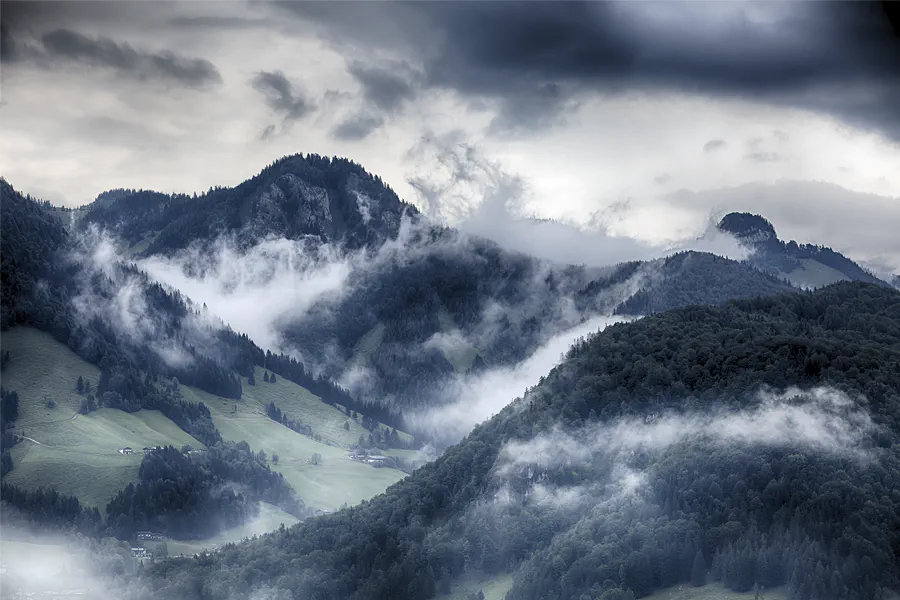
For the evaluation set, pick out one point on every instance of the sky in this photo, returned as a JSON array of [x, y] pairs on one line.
[[642, 119]]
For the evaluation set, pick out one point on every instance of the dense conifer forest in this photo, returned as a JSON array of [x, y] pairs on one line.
[[745, 514]]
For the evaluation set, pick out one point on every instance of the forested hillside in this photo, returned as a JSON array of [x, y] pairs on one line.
[[331, 198], [754, 443], [137, 331]]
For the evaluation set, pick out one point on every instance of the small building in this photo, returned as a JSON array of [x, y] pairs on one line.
[[139, 552], [126, 450], [151, 450]]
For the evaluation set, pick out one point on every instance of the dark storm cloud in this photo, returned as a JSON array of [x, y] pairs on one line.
[[387, 87], [217, 22], [357, 127], [713, 145], [104, 52], [839, 58], [280, 95]]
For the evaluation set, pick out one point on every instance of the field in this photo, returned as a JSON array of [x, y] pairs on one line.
[[812, 274], [76, 454], [337, 480], [269, 519], [295, 401], [713, 591], [494, 588]]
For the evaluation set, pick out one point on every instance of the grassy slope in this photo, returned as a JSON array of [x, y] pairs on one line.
[[713, 591], [270, 518], [297, 402], [813, 274], [494, 588], [76, 454], [368, 344], [328, 485]]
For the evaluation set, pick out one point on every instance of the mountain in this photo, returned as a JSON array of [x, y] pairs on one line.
[[748, 442], [804, 265], [424, 305], [332, 199], [752, 444]]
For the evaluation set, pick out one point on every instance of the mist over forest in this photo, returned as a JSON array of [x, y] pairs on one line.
[[449, 301]]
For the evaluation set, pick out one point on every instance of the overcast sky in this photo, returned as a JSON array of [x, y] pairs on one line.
[[643, 118]]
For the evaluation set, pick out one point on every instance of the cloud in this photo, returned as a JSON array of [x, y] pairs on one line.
[[821, 419], [713, 145], [764, 157], [850, 222], [458, 184], [357, 127], [533, 57], [476, 397], [118, 297], [62, 565], [259, 289], [386, 87], [281, 96], [66, 44]]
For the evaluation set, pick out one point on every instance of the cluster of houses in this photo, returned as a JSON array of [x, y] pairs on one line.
[[369, 459], [129, 450]]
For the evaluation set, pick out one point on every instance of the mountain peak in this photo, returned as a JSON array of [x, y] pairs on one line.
[[748, 227]]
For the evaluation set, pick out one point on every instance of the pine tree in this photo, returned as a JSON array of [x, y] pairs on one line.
[[698, 570], [266, 376], [272, 378], [80, 385]]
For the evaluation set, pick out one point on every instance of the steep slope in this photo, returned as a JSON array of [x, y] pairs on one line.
[[138, 331], [804, 265], [654, 455]]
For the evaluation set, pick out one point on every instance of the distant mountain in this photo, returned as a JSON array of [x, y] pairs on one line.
[[804, 265]]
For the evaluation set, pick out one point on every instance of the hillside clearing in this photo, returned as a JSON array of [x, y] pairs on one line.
[[494, 587], [269, 519], [75, 454], [714, 591], [329, 485]]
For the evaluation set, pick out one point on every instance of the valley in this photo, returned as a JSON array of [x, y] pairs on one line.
[[623, 471]]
